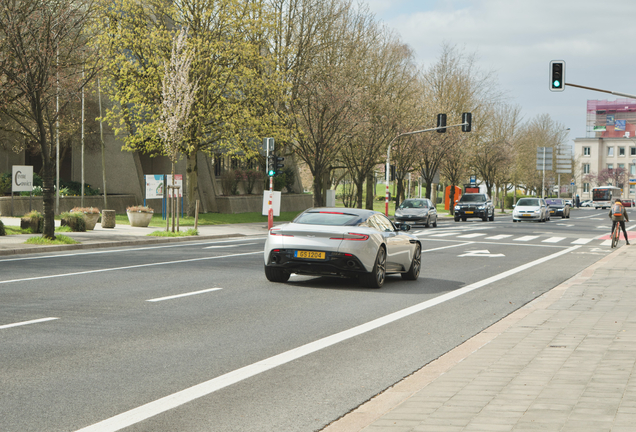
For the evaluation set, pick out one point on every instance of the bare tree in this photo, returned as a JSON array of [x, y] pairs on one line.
[[492, 154], [44, 48], [179, 93]]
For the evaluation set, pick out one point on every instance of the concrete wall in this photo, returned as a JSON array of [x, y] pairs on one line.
[[21, 204], [254, 203]]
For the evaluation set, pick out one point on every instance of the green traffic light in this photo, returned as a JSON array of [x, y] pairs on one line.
[[557, 84], [271, 173]]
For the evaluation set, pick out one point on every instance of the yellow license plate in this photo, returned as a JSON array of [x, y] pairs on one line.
[[309, 254], [469, 212], [551, 211]]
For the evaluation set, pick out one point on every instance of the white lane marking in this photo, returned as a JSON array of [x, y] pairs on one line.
[[473, 235], [582, 241], [130, 249], [233, 245], [481, 253], [179, 398], [525, 238], [447, 247], [607, 242], [35, 321], [127, 267], [183, 295], [499, 237], [585, 217], [553, 240]]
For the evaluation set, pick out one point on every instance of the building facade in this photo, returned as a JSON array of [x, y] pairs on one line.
[[609, 147]]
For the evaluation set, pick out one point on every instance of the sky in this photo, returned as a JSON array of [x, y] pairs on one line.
[[517, 39]]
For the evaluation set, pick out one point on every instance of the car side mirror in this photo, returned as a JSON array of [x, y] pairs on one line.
[[514, 205], [403, 227]]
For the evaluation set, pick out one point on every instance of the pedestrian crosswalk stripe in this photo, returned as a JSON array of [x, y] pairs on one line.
[[607, 243], [471, 235], [445, 234], [553, 240], [526, 238], [499, 237], [582, 241]]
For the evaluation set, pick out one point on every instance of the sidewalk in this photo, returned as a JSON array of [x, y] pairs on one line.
[[564, 362], [122, 235]]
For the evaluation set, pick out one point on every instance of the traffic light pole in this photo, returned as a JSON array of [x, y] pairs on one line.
[[270, 212], [602, 91], [388, 157]]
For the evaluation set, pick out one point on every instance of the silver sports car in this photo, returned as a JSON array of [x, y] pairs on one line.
[[342, 242]]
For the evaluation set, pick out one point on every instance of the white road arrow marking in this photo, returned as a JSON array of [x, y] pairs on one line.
[[481, 253]]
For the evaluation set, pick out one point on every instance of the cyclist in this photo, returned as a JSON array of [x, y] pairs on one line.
[[618, 214]]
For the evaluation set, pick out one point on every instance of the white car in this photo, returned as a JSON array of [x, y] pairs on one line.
[[531, 209], [342, 242]]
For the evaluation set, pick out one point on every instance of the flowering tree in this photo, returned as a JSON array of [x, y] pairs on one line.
[[178, 96], [41, 59]]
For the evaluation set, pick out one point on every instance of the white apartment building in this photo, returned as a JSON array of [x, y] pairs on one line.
[[610, 143]]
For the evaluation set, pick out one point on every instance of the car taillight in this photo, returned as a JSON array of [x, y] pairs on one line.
[[352, 236]]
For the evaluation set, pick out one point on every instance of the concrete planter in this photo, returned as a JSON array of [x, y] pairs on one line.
[[91, 220], [139, 219]]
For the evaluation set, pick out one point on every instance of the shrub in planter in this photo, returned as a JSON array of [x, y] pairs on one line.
[[253, 177], [139, 216], [228, 182], [91, 215], [3, 232], [33, 221], [76, 221]]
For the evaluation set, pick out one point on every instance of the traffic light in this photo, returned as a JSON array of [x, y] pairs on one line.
[[441, 123], [467, 119], [557, 75], [392, 173], [271, 164], [277, 164]]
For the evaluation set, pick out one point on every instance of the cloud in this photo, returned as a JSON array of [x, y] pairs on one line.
[[517, 40]]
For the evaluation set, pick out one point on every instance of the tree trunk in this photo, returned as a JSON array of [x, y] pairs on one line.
[[451, 199], [318, 190], [192, 182], [48, 192], [359, 187], [370, 191]]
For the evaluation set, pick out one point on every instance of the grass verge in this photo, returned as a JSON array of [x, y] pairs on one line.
[[189, 232], [59, 239]]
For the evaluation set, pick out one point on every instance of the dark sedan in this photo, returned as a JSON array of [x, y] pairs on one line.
[[558, 207], [417, 211]]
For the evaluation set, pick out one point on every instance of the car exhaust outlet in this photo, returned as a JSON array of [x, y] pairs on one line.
[[351, 263]]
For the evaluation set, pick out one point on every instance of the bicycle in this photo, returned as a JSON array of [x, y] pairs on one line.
[[616, 234]]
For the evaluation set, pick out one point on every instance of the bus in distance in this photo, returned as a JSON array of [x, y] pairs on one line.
[[604, 196]]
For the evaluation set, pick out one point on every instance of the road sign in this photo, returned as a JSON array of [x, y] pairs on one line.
[[632, 181]]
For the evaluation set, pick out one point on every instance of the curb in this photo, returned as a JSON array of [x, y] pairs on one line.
[[114, 243]]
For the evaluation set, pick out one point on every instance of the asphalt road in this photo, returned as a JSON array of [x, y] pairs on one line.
[[108, 340]]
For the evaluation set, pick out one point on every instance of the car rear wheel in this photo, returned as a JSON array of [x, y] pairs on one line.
[[416, 265], [276, 275], [375, 279]]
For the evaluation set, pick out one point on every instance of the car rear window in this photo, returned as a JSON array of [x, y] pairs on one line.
[[328, 218], [554, 202], [414, 204], [528, 202], [472, 198]]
